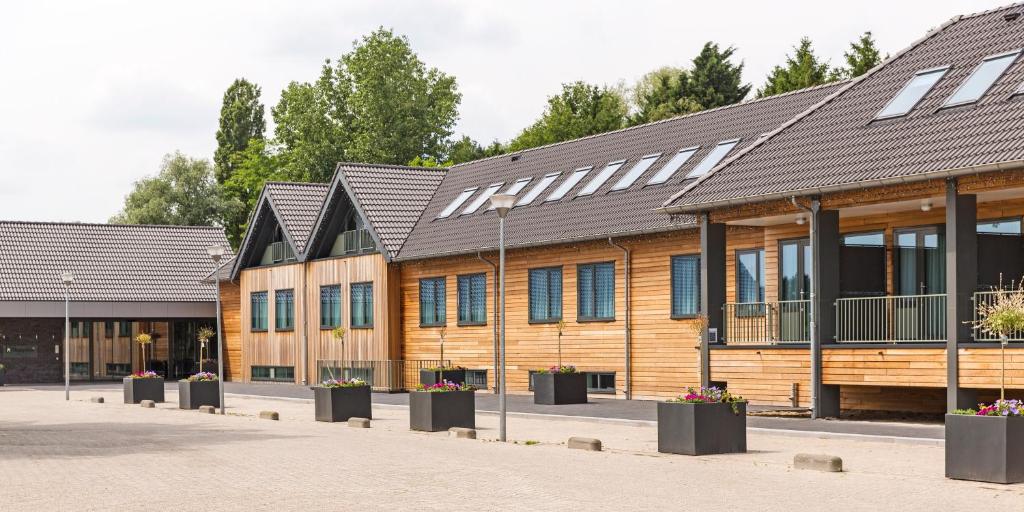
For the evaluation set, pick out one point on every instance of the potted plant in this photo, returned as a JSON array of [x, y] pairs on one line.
[[339, 400], [559, 385], [987, 444], [703, 421], [206, 363], [202, 388], [146, 385], [338, 333], [444, 372], [144, 340], [3, 374], [442, 406]]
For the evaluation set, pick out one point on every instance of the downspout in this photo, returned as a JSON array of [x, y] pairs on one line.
[[628, 334], [494, 268], [815, 350], [305, 329]]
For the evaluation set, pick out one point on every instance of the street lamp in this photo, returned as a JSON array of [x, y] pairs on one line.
[[67, 278], [502, 203], [216, 253]]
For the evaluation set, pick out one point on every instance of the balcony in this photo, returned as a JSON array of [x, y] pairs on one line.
[[786, 321], [892, 319]]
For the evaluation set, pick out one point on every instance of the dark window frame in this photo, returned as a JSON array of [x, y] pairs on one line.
[[272, 374], [468, 280], [289, 303], [580, 267], [672, 280], [337, 301], [760, 280], [440, 308], [600, 390], [258, 323], [561, 295], [367, 287], [121, 331]]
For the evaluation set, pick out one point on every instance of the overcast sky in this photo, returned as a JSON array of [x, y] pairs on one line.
[[93, 94]]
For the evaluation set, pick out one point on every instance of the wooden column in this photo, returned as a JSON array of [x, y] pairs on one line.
[[961, 282], [712, 287], [824, 292]]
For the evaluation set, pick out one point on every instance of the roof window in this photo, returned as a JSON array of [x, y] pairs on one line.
[[634, 174], [601, 178], [672, 166], [515, 188], [981, 79], [567, 185], [912, 92], [716, 155], [454, 205], [484, 196], [538, 189]]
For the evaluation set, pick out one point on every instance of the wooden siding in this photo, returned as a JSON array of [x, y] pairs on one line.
[[270, 348], [764, 375], [904, 367], [980, 368], [230, 295]]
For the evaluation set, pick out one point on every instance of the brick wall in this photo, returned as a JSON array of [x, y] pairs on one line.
[[27, 349]]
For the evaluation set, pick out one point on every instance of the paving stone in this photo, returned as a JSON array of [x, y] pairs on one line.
[[359, 422], [462, 433], [818, 462], [585, 443], [269, 415]]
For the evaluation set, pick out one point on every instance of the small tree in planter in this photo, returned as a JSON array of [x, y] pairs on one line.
[[338, 333], [444, 372], [144, 339], [703, 421], [984, 444], [145, 385], [204, 335], [339, 400], [442, 406], [559, 385], [199, 389]]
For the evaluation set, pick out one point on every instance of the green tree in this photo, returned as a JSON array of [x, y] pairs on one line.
[[662, 94], [581, 109], [714, 81], [184, 193], [313, 128], [863, 55], [802, 69], [241, 120], [254, 166]]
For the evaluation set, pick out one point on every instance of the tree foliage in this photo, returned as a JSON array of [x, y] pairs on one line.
[[581, 109], [662, 94], [802, 69], [254, 166], [862, 56], [714, 81], [241, 120], [184, 192], [313, 128]]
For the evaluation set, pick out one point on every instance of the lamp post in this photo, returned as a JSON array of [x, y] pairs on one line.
[[216, 252], [67, 278], [502, 203]]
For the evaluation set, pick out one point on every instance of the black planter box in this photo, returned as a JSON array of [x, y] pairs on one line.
[[340, 404], [985, 448], [435, 412], [137, 390], [559, 388], [3, 379], [702, 429], [193, 394], [431, 377]]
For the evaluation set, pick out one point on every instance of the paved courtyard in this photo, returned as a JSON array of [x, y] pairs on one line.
[[86, 456]]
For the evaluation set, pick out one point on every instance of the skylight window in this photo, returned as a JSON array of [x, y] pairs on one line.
[[567, 185], [981, 79], [454, 205], [716, 155], [911, 94], [601, 178], [634, 174], [672, 166], [538, 189], [482, 198], [515, 188]]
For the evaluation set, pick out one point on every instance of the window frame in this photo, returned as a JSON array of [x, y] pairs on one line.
[[760, 279], [602, 177], [272, 370], [367, 301], [1018, 219], [635, 172], [339, 300], [672, 279], [942, 70], [121, 332], [265, 324], [601, 391], [561, 295], [458, 201], [468, 278], [689, 151], [289, 303], [731, 143], [474, 205], [570, 182], [1013, 54], [440, 308], [538, 189], [580, 318]]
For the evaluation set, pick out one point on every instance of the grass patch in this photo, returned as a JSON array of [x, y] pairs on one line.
[[531, 443]]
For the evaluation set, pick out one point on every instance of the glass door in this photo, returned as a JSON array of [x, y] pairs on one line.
[[920, 275], [794, 289]]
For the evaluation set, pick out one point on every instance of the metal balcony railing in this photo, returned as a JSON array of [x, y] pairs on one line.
[[987, 299], [892, 319], [383, 375], [786, 321]]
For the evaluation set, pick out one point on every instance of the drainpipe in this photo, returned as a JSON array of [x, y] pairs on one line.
[[494, 268], [305, 329], [815, 351], [628, 348]]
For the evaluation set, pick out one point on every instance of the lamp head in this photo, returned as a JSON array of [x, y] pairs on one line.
[[216, 252], [67, 278], [502, 203]]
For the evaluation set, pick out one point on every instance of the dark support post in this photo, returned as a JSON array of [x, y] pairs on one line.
[[961, 282], [824, 292], [712, 287]]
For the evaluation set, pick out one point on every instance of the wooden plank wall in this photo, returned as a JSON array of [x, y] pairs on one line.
[[982, 367], [905, 367], [270, 348], [764, 375], [231, 324]]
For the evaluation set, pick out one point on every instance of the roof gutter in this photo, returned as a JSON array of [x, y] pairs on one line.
[[628, 332], [494, 269]]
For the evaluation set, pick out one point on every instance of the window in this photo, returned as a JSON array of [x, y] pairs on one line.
[[1000, 253], [568, 184], [477, 378], [362, 305], [432, 297], [545, 290], [124, 328], [685, 286], [862, 264], [634, 174], [716, 155], [981, 79], [601, 178], [672, 166], [330, 306], [258, 311], [1000, 227], [595, 286], [750, 282], [74, 329], [273, 373], [912, 93], [874, 239], [514, 189], [454, 205], [108, 329], [284, 310], [472, 299], [482, 198], [600, 382], [538, 189]]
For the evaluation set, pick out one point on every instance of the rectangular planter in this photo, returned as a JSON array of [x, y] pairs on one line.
[[701, 429], [985, 448], [193, 394], [430, 377], [435, 412], [559, 388], [137, 390], [340, 404]]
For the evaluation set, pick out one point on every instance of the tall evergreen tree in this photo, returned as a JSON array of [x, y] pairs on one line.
[[714, 80], [241, 120], [802, 69], [863, 55], [581, 109]]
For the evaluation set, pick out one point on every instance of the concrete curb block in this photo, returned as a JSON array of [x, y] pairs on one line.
[[818, 462], [585, 443], [462, 433], [359, 422], [97, 400], [207, 409], [270, 415], [147, 404]]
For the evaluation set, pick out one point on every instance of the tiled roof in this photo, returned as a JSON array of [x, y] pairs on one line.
[[122, 263], [298, 205], [391, 197], [225, 271], [838, 145], [604, 213]]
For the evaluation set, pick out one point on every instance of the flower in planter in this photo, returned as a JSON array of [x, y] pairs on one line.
[[344, 383], [445, 368], [445, 386], [565, 368], [997, 408], [145, 375], [203, 377], [711, 395]]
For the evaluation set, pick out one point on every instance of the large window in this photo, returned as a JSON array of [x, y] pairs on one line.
[[472, 299], [920, 261], [545, 294], [862, 263], [1000, 253], [685, 286], [273, 373], [432, 302], [362, 305], [912, 93], [595, 285], [330, 306], [750, 276], [981, 79], [258, 311], [284, 310]]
